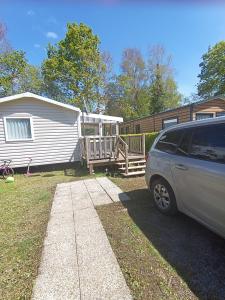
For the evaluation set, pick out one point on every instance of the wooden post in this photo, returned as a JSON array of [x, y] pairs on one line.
[[117, 147], [100, 147], [87, 149], [94, 148], [117, 128], [110, 146], [105, 148], [126, 159], [143, 144], [129, 143], [100, 128], [91, 169]]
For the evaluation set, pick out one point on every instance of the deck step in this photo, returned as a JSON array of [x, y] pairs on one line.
[[136, 157], [131, 162], [133, 173], [120, 163], [137, 162], [133, 167]]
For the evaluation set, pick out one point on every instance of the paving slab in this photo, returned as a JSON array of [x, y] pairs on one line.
[[77, 260], [114, 192], [97, 193]]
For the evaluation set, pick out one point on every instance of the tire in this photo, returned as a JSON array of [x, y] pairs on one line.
[[8, 172], [163, 196]]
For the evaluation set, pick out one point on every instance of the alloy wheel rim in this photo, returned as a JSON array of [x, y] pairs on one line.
[[161, 196]]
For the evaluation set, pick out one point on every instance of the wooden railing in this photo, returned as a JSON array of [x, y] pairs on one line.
[[122, 148], [136, 143], [93, 148], [111, 148]]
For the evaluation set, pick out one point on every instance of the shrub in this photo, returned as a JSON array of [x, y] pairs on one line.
[[149, 140]]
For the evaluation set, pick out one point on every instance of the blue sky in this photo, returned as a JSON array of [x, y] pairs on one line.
[[186, 30]]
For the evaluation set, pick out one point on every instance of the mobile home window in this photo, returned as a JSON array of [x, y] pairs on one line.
[[220, 114], [18, 129], [137, 128], [202, 116], [169, 122], [113, 129], [90, 129]]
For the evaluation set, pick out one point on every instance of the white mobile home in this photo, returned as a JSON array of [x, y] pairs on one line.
[[46, 130]]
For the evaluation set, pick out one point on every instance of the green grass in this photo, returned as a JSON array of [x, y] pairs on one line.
[[24, 212], [134, 231]]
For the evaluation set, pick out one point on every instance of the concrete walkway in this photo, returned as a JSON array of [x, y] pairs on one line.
[[77, 259]]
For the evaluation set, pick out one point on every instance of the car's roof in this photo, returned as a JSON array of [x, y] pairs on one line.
[[197, 123]]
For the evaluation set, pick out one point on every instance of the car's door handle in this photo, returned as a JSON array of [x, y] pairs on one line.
[[181, 167]]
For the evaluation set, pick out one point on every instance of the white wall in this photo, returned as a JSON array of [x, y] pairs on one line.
[[56, 133]]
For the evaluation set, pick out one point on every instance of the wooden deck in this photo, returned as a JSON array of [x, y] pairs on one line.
[[109, 150]]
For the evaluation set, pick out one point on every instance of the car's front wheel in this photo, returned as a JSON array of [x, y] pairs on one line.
[[164, 198]]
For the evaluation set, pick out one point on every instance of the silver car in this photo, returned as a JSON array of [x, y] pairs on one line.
[[186, 171]]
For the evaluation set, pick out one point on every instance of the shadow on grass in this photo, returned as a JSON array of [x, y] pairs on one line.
[[196, 254], [83, 172], [76, 172], [47, 175]]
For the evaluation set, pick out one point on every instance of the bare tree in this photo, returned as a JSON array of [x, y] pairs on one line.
[[108, 66], [133, 67], [4, 43], [159, 60], [105, 72], [2, 31]]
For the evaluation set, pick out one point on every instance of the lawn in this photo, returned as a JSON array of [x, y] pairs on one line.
[[24, 212], [163, 257]]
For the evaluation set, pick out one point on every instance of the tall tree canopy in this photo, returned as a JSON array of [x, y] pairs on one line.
[[163, 92], [12, 67], [76, 72], [74, 65], [126, 93], [156, 92], [17, 76], [143, 88], [212, 75], [31, 81], [133, 79]]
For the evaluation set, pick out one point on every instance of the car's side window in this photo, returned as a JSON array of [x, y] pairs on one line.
[[208, 143], [183, 148], [169, 141]]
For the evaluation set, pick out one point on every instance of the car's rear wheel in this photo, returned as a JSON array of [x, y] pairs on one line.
[[164, 198]]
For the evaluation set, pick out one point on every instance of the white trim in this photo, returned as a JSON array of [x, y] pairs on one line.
[[117, 128], [100, 128], [18, 140], [79, 125], [104, 117], [31, 95]]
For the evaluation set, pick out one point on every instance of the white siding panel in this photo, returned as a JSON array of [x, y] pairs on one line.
[[56, 137]]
